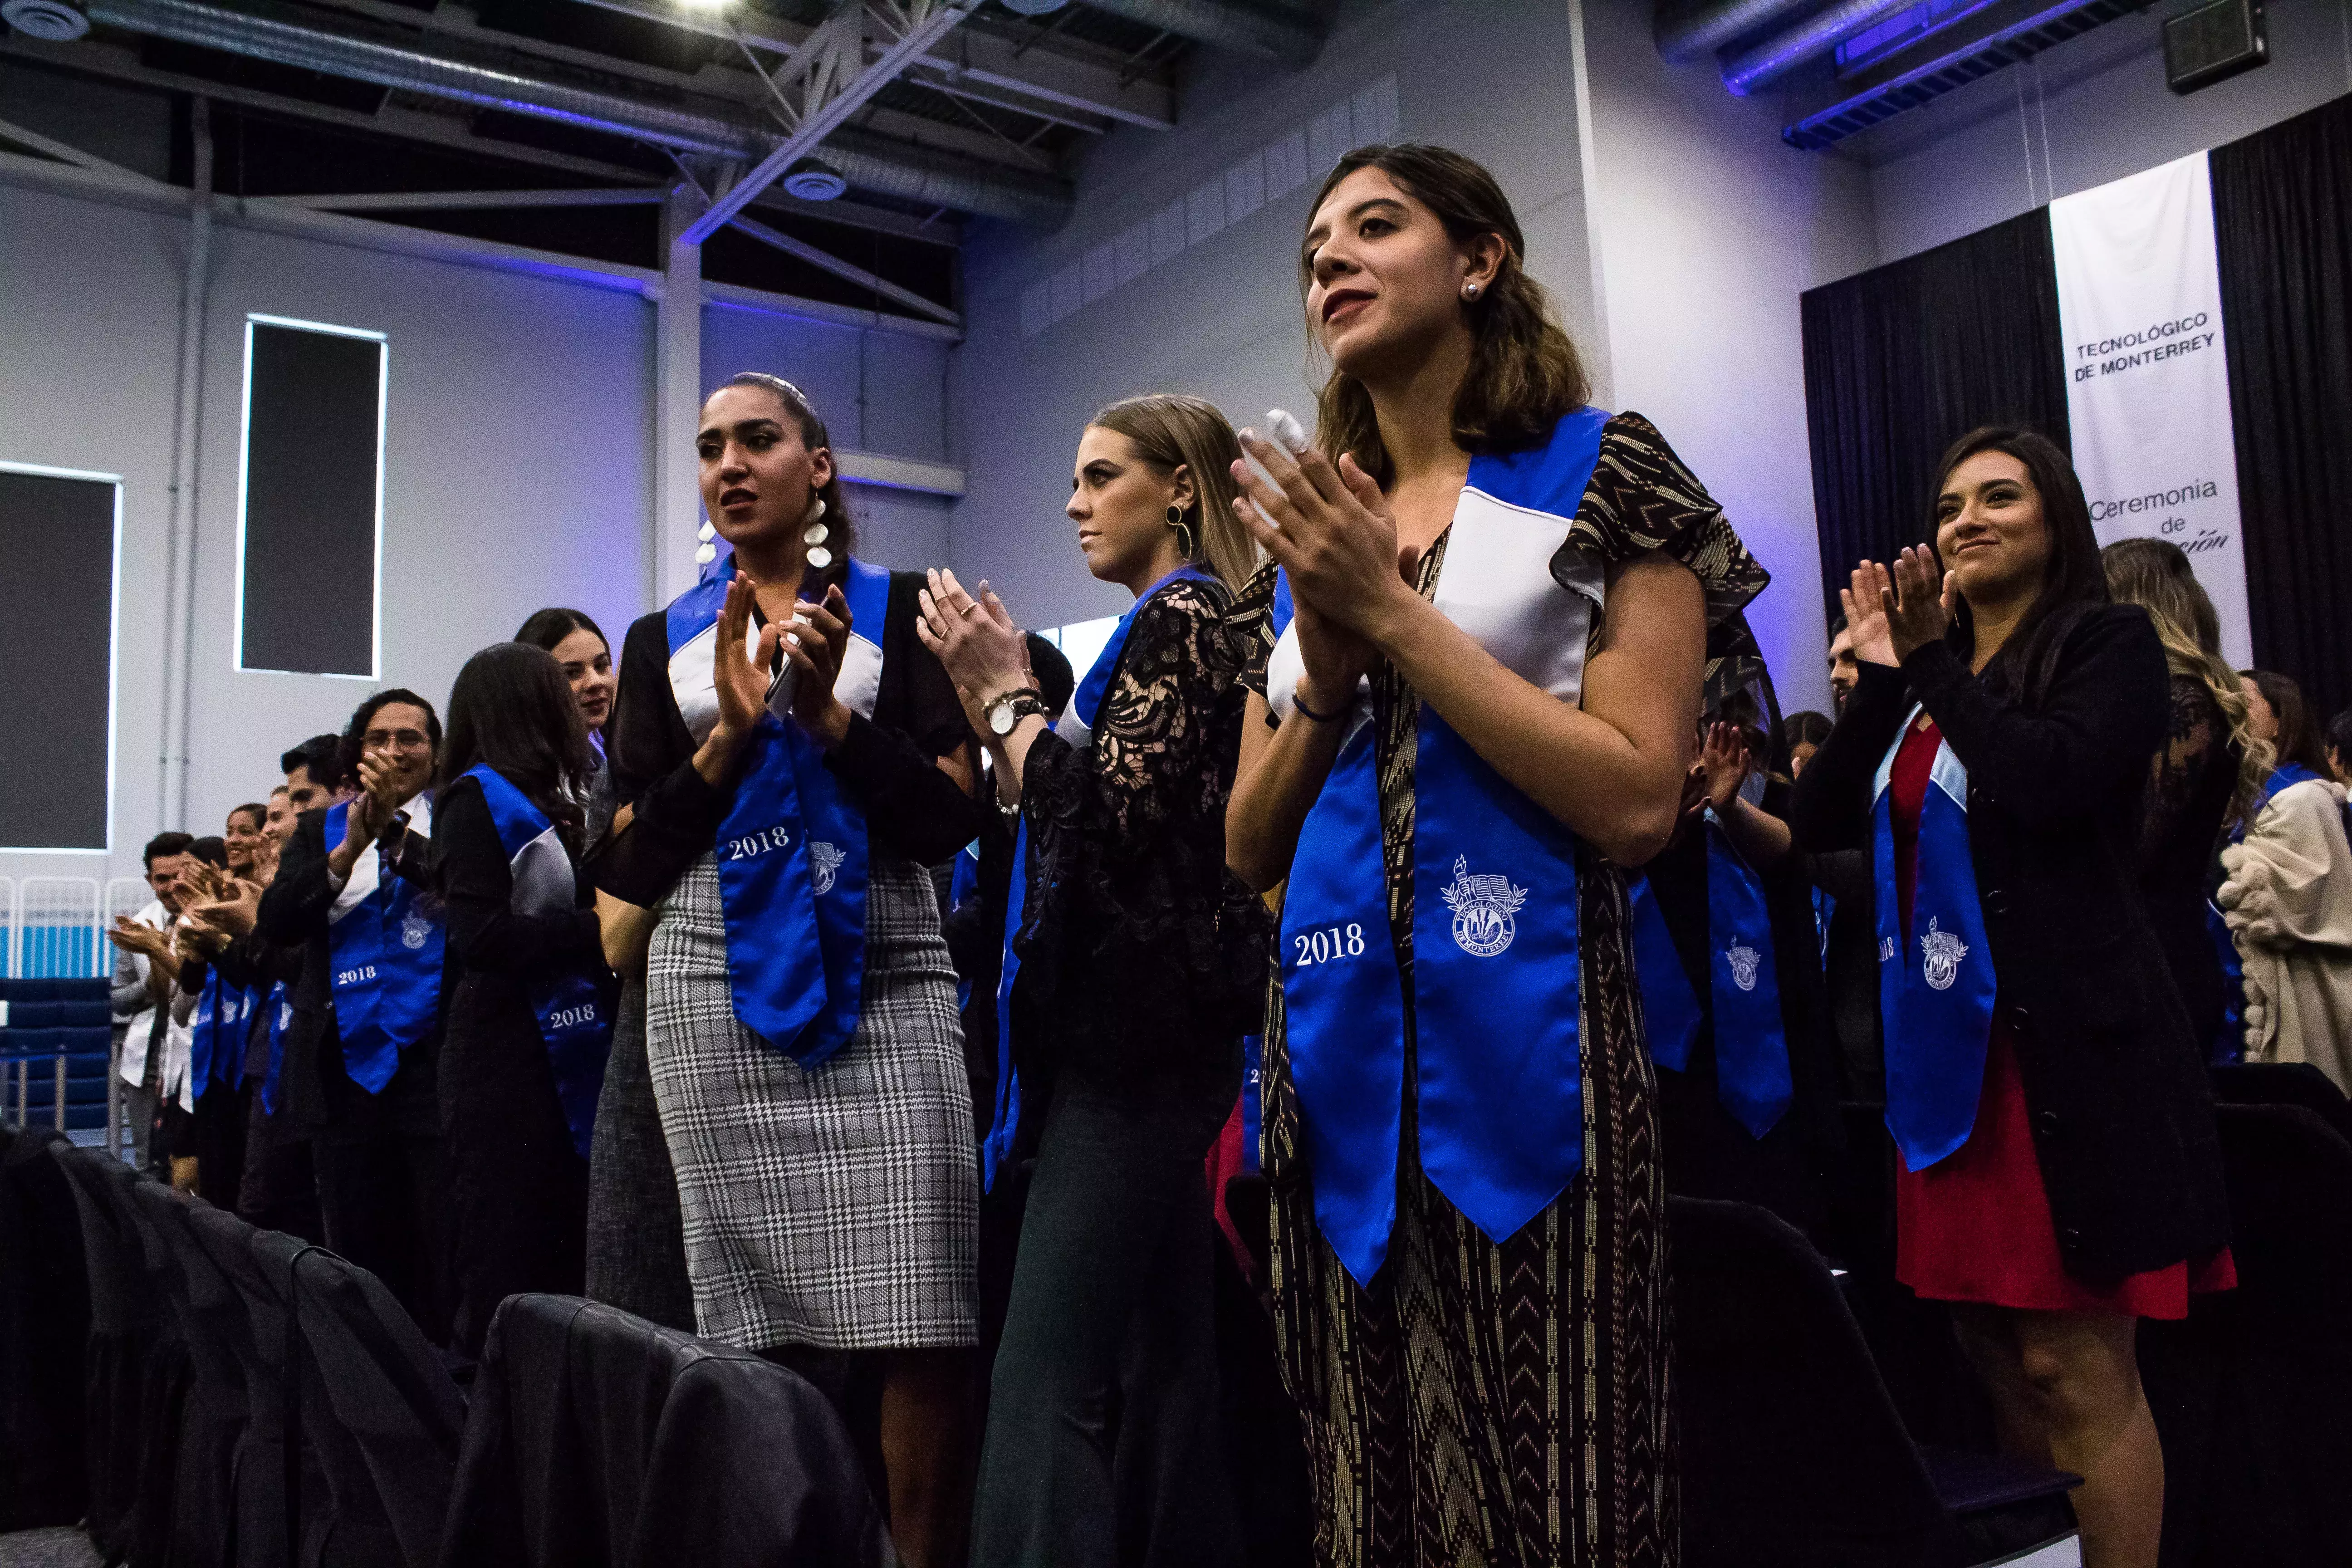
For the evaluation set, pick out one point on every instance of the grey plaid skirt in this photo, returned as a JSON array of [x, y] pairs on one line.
[[837, 1207]]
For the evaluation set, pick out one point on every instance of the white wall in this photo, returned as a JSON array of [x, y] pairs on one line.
[[1220, 316], [518, 449], [1707, 230], [2093, 110]]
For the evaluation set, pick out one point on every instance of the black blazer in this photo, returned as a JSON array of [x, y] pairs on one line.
[[316, 1093], [2123, 1116]]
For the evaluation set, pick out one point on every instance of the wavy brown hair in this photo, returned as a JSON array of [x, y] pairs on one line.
[[1171, 431], [2155, 575], [1524, 371]]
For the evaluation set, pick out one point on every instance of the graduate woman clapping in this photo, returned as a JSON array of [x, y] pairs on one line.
[[1133, 965], [793, 760], [2059, 1177], [1480, 711], [531, 1016]]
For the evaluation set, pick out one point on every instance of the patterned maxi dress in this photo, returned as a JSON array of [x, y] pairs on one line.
[[1505, 1402]]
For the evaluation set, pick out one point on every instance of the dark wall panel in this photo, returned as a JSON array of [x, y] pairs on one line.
[[312, 417], [57, 651]]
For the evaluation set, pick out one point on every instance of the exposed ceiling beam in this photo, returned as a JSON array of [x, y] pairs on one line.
[[57, 149], [463, 201], [120, 63], [973, 54], [828, 81], [849, 270]]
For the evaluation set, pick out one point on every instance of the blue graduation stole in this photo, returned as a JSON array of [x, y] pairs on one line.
[[1252, 1100], [1752, 1079], [281, 1014], [1493, 999], [792, 849], [216, 1038], [1751, 1043], [1077, 727], [384, 954], [575, 1009], [964, 883], [1935, 980]]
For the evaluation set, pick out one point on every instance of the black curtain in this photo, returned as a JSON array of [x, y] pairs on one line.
[[2283, 228], [1903, 358]]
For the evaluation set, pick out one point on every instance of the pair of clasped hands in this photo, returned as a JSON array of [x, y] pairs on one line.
[[219, 907], [812, 644], [1891, 614], [1335, 537]]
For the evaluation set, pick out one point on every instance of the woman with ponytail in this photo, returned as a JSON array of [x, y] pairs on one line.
[[793, 759], [2205, 777]]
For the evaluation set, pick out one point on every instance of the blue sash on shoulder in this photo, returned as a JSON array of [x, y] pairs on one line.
[[281, 1014], [575, 1009], [1936, 981], [792, 849], [2283, 776], [386, 951], [1752, 1079], [216, 1034], [1494, 990], [1077, 727]]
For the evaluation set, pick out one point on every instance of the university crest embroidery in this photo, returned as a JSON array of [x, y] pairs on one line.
[[824, 860], [413, 930], [1743, 960], [1483, 907], [1942, 952]]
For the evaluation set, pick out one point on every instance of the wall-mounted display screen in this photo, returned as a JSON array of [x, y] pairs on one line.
[[60, 539]]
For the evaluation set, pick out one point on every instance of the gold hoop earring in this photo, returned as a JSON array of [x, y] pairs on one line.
[[1185, 539]]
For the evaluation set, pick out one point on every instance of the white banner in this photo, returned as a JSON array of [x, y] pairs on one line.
[[2147, 385]]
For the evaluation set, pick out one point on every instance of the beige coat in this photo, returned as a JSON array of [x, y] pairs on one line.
[[2288, 899]]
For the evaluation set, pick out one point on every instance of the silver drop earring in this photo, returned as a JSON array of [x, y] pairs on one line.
[[813, 533], [707, 550]]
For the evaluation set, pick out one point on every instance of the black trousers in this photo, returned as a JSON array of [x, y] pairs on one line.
[[280, 1191], [218, 1144], [517, 1187], [383, 1186], [1103, 1444]]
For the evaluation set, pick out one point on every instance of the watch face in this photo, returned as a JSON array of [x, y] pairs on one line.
[[1003, 718]]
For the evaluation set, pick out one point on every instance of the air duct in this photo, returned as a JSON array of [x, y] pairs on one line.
[[1695, 32], [1252, 30], [960, 187], [1816, 36]]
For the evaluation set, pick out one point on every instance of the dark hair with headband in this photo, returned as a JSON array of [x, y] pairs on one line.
[[843, 542]]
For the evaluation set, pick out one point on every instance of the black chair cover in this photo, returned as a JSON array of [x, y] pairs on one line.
[[213, 1421], [44, 1323], [378, 1403], [599, 1438], [1792, 1451], [137, 1365], [2252, 1393]]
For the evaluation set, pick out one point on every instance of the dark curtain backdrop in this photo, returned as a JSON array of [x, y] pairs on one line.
[[2282, 227], [1905, 358]]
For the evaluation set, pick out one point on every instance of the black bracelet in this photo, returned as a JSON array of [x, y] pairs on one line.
[[1299, 703]]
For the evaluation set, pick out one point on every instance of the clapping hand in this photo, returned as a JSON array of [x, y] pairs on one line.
[[1864, 602], [132, 936], [1918, 608], [815, 643], [740, 676], [1333, 534], [1723, 766], [230, 912], [975, 640]]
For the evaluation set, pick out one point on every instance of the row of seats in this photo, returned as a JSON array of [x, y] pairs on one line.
[[199, 1391], [42, 1023]]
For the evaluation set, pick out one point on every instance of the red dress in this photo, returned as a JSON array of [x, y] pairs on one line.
[[1975, 1225]]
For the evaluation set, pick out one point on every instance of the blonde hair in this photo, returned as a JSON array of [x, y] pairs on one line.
[[2156, 575], [1171, 431]]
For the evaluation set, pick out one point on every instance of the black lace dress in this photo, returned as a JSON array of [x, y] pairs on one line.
[[1143, 962], [2190, 786]]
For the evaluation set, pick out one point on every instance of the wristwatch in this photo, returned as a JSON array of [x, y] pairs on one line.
[[1008, 709]]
